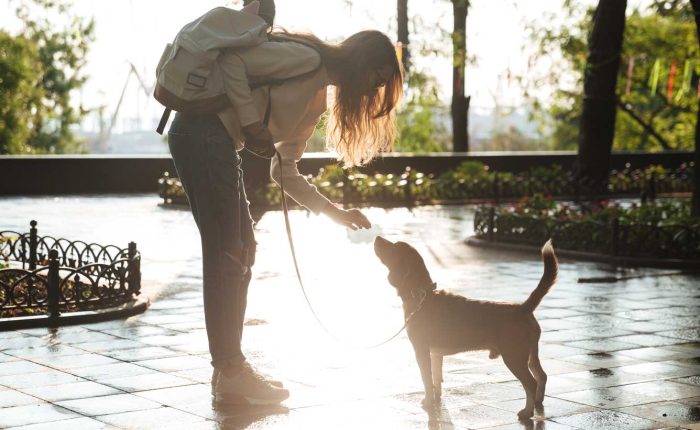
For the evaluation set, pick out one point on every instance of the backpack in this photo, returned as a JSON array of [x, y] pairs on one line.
[[188, 78]]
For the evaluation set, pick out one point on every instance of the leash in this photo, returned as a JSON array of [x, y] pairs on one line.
[[285, 208]]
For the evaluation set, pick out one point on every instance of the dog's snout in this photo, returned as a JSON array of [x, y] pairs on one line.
[[380, 245]]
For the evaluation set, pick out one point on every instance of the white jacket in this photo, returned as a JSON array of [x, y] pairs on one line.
[[296, 105]]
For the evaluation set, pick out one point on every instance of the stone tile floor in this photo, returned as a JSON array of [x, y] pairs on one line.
[[624, 355]]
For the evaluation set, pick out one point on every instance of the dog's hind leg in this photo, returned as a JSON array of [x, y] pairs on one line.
[[517, 361], [436, 367], [539, 374], [423, 359]]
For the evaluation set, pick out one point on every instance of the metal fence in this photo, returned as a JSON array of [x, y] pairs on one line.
[[412, 188], [43, 275], [615, 238]]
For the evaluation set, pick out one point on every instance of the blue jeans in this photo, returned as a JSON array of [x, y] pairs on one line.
[[210, 170]]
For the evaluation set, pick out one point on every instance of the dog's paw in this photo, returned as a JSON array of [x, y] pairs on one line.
[[526, 414]]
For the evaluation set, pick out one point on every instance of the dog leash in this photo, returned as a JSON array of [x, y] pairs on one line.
[[288, 226]]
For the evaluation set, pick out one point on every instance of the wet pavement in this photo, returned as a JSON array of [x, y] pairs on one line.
[[624, 355]]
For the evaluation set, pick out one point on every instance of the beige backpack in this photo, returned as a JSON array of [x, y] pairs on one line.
[[188, 78]]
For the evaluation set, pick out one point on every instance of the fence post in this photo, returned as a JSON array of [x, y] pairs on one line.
[[615, 231], [134, 268], [53, 285], [492, 222], [32, 245], [407, 192], [345, 188], [163, 187], [652, 187]]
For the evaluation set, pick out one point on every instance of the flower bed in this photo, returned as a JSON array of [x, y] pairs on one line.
[[470, 181], [49, 277], [661, 230]]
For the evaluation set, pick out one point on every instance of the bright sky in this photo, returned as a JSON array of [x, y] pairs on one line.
[[136, 31]]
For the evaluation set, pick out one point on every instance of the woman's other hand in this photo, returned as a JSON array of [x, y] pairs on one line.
[[351, 218], [258, 140]]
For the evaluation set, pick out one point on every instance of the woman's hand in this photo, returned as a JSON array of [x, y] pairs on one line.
[[351, 218], [258, 140]]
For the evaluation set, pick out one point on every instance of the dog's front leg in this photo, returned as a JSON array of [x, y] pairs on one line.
[[423, 359], [436, 368]]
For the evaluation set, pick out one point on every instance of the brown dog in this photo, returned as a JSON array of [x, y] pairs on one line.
[[441, 323]]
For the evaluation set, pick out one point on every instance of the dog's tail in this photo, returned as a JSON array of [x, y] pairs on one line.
[[549, 277]]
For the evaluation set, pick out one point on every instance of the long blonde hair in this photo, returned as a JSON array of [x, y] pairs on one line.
[[361, 123]]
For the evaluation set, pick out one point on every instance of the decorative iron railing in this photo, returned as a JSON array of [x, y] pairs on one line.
[[616, 238], [50, 276]]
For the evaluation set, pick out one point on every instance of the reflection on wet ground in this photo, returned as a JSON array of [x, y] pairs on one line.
[[619, 356]]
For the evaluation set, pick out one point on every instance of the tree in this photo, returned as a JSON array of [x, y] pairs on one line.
[[695, 207], [417, 129], [61, 39], [648, 118], [20, 91], [599, 98], [402, 33], [460, 103]]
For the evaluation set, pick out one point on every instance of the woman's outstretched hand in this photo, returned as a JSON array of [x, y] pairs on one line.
[[351, 218]]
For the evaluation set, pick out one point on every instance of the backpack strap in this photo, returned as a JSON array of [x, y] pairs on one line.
[[163, 120]]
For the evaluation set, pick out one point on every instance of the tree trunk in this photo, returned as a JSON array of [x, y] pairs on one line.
[[695, 208], [402, 13], [460, 103], [597, 128]]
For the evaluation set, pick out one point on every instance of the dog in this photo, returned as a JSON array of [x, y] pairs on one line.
[[440, 323]]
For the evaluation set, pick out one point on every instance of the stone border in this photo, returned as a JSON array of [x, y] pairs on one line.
[[588, 256], [104, 174], [134, 307]]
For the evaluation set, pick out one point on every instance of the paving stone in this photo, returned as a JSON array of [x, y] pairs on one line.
[[482, 416], [149, 381], [11, 398], [162, 418], [33, 414], [143, 353], [667, 413], [552, 407], [74, 390], [649, 340], [21, 367], [112, 404], [601, 345], [602, 359], [136, 332], [109, 371], [38, 379], [172, 364], [695, 379], [84, 423], [178, 396], [108, 346], [67, 362], [539, 425], [630, 394], [607, 420], [44, 349]]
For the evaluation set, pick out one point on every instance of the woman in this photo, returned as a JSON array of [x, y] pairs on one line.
[[366, 77]]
